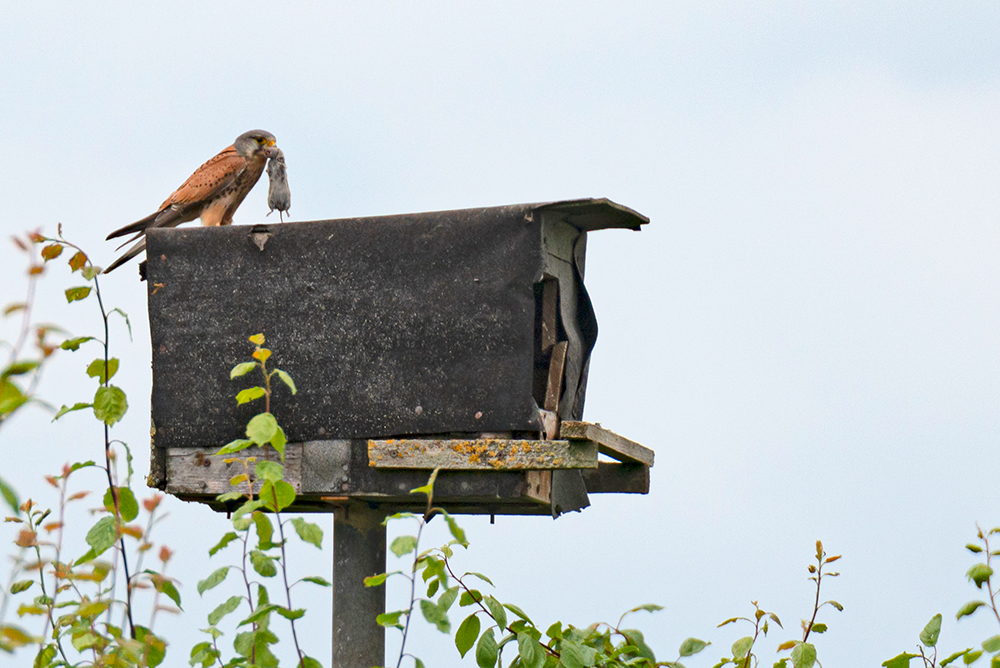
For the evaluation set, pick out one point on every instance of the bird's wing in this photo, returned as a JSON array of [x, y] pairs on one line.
[[183, 205], [207, 182]]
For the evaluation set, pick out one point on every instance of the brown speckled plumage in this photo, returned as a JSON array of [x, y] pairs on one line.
[[212, 193]]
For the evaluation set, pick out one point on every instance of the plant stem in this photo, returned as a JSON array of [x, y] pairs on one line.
[[413, 591], [284, 575]]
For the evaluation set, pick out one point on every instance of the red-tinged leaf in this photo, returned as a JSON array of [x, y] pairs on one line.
[[14, 308], [51, 252], [35, 270], [78, 261], [830, 560]]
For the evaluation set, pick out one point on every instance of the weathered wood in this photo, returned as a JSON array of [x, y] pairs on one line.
[[609, 443], [616, 478], [201, 471], [553, 390], [550, 313], [333, 473], [480, 454], [358, 551]]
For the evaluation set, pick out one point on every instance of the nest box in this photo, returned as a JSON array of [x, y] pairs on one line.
[[457, 340]]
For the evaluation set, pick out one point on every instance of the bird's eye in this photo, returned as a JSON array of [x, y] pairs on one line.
[[259, 140]]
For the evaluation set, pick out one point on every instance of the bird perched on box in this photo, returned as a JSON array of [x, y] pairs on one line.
[[212, 193]]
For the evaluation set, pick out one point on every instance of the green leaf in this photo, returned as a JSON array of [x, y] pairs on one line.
[[230, 496], [74, 344], [126, 503], [742, 647], [226, 540], [447, 598], [102, 535], [435, 615], [262, 428], [956, 656], [971, 657], [19, 369], [467, 633], [496, 610], [18, 587], [308, 532], [67, 409], [277, 495], [975, 549], [818, 628], [804, 655], [403, 544], [530, 651], [170, 589], [390, 619], [469, 598], [96, 369], [110, 404], [268, 470], [260, 613], [901, 661], [217, 576], [242, 369], [279, 441], [264, 530], [376, 580], [979, 574], [249, 394], [11, 397], [9, 495], [969, 608], [263, 564], [315, 579], [574, 655], [309, 662], [555, 631], [76, 294], [518, 611], [692, 646], [235, 446], [482, 577], [486, 650], [838, 606], [456, 531], [224, 609], [291, 614], [929, 636], [286, 379], [992, 644]]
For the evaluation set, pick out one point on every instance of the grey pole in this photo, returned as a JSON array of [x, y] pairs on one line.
[[358, 551]]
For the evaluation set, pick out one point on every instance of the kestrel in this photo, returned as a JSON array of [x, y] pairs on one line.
[[212, 193]]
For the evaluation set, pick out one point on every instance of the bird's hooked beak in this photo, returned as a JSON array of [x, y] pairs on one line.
[[270, 149]]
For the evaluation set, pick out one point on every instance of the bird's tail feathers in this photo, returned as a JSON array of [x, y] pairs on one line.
[[162, 218], [129, 254]]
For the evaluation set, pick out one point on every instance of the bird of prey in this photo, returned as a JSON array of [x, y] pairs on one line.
[[279, 197], [212, 193]]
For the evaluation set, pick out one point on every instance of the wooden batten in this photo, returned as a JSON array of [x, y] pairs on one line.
[[484, 454]]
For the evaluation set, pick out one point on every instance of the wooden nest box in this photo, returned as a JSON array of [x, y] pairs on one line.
[[453, 339]]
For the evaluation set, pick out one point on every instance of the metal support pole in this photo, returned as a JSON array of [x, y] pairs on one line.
[[358, 551]]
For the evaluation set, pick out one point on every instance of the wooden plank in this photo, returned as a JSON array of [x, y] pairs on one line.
[[610, 478], [200, 471], [556, 367], [609, 443], [550, 312], [480, 454]]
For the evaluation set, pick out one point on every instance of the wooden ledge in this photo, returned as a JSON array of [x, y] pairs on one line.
[[482, 454], [608, 443]]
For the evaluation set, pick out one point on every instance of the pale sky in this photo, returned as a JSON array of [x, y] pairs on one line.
[[806, 333]]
